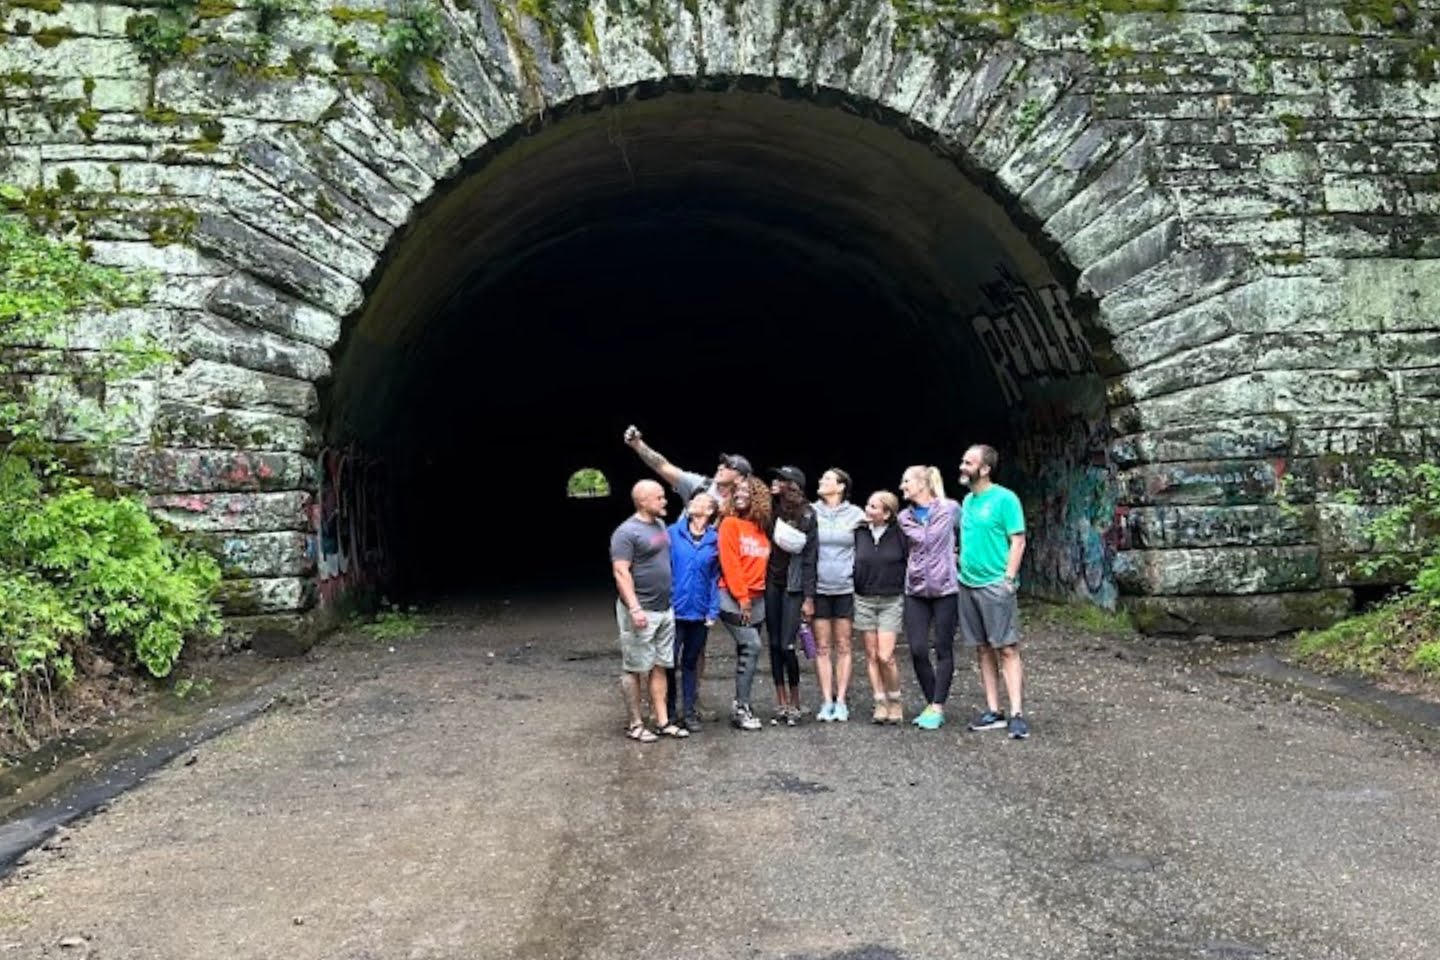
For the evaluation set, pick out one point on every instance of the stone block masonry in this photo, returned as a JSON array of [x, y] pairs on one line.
[[1245, 197]]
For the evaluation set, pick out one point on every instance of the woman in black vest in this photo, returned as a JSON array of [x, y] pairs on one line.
[[880, 556]]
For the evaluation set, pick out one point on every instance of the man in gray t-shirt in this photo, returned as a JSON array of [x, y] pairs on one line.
[[640, 562], [731, 468], [646, 544]]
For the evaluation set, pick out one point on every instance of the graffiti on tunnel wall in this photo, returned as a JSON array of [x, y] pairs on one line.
[[1029, 333], [347, 541], [1068, 486], [1060, 465]]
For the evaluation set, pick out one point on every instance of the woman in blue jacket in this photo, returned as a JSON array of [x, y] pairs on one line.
[[695, 566]]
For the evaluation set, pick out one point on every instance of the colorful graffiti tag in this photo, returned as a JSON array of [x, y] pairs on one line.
[[347, 542]]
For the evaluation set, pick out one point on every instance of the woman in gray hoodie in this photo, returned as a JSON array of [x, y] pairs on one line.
[[836, 519]]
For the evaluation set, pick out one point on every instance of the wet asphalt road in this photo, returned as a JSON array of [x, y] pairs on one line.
[[468, 794]]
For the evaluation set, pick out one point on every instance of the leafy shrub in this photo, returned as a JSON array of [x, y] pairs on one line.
[[75, 566], [416, 35], [1403, 633]]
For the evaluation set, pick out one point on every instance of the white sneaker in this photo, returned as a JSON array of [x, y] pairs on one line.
[[742, 719]]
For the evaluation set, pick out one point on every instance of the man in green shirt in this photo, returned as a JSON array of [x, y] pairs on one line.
[[992, 543]]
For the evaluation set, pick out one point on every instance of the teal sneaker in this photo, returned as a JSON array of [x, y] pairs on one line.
[[930, 718], [841, 713], [826, 713]]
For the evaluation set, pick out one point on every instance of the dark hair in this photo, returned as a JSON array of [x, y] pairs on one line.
[[843, 477], [988, 455], [790, 506]]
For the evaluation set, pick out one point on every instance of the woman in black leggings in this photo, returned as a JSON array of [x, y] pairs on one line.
[[931, 587], [789, 587]]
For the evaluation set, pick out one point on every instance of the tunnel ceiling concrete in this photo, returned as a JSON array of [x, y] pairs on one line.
[[821, 188]]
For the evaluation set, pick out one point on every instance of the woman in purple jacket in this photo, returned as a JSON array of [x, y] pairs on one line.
[[931, 586]]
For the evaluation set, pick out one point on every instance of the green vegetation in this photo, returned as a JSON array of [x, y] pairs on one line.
[[1082, 615], [392, 624], [1392, 14], [412, 39], [78, 565], [587, 482], [1401, 635], [1004, 17]]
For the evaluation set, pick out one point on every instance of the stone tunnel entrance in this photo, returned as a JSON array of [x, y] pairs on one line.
[[801, 282]]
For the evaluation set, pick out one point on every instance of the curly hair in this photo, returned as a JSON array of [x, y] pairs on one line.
[[761, 509]]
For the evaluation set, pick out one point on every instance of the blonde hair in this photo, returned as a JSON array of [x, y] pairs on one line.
[[888, 500], [932, 479]]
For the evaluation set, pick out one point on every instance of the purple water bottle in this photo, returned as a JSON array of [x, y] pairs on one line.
[[807, 640]]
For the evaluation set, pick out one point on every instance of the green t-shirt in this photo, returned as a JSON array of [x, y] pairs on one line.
[[987, 522]]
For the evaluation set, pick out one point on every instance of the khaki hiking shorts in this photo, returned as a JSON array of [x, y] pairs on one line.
[[643, 650]]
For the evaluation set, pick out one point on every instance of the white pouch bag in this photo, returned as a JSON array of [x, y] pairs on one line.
[[788, 538]]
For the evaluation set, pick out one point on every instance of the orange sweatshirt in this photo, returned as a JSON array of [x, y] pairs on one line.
[[744, 551]]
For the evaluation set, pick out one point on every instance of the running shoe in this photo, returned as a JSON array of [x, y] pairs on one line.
[[742, 719], [931, 718], [1018, 728], [826, 713], [792, 717], [989, 720], [840, 713]]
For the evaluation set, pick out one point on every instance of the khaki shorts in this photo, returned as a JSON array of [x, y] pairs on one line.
[[885, 614], [643, 650]]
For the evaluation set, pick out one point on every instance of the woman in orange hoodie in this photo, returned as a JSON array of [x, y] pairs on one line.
[[744, 552]]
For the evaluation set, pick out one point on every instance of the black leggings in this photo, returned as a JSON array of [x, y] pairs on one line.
[[920, 613], [782, 621]]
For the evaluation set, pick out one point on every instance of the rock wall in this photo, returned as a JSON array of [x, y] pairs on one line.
[[1243, 196]]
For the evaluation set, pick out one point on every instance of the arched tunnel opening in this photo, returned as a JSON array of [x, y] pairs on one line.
[[733, 272]]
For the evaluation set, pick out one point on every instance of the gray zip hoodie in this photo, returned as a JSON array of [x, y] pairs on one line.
[[835, 568]]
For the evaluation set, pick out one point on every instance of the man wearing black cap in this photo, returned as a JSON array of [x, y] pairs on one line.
[[732, 467]]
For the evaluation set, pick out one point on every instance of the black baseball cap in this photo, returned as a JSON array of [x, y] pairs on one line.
[[737, 463], [794, 474]]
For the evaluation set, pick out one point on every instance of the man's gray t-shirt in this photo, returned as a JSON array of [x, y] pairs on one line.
[[647, 547], [690, 484]]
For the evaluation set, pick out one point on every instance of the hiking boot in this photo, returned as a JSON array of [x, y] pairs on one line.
[[742, 719], [1018, 728], [989, 720], [896, 712]]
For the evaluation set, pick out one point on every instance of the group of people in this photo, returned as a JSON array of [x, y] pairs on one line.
[[757, 556]]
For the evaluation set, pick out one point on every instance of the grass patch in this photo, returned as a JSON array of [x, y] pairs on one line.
[[1080, 615], [394, 624], [1401, 637]]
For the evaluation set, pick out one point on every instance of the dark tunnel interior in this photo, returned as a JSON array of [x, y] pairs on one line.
[[800, 307]]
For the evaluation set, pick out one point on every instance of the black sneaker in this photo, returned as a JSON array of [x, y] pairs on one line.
[[692, 723], [989, 720], [1018, 728]]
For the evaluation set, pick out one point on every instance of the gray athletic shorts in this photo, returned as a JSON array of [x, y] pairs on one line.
[[642, 650], [989, 615], [885, 614]]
